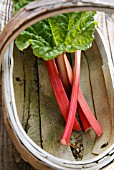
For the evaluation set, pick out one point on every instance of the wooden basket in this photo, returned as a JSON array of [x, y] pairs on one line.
[[53, 155]]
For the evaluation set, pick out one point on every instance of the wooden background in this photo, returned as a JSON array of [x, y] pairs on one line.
[[9, 158]]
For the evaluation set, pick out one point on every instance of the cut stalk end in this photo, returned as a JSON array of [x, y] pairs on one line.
[[63, 142]]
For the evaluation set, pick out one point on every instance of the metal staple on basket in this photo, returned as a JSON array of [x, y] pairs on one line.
[[30, 14]]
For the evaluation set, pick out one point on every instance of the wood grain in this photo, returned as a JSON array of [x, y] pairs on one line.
[[85, 84], [100, 98]]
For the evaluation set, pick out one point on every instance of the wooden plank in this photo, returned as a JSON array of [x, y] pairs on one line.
[[110, 26], [110, 90], [18, 78], [26, 93], [106, 25], [100, 99], [31, 118], [100, 17], [85, 85]]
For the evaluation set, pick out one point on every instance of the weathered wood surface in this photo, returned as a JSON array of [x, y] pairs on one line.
[[100, 98], [9, 158]]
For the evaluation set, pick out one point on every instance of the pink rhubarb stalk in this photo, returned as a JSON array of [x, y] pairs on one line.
[[59, 91], [86, 116], [84, 122], [73, 100], [89, 115], [69, 71], [63, 73]]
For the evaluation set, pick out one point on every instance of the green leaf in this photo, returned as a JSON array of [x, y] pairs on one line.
[[59, 26], [44, 51], [41, 48], [24, 40], [55, 35], [80, 31], [43, 29], [75, 30]]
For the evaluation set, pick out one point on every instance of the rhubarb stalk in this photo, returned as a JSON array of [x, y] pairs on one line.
[[84, 122], [87, 118], [59, 91], [88, 114], [73, 100], [63, 73], [68, 69]]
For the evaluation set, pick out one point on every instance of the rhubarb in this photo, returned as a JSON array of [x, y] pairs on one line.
[[73, 100], [59, 91], [63, 73], [86, 116], [68, 69], [84, 122]]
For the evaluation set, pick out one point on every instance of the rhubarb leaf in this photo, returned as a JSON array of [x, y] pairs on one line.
[[41, 48], [59, 27], [55, 35], [74, 29]]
